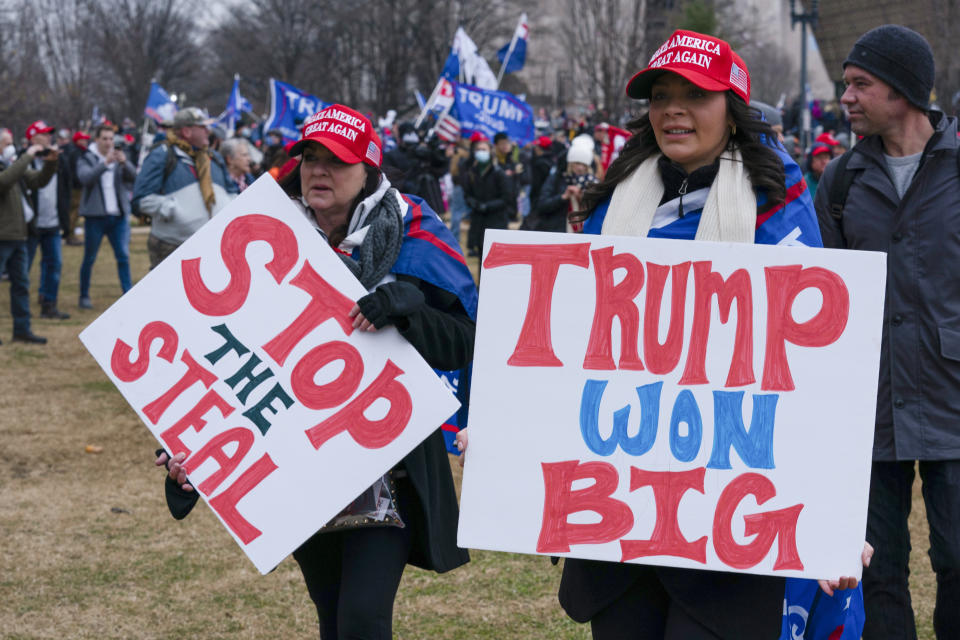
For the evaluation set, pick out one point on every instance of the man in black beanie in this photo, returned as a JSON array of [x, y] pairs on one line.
[[902, 188]]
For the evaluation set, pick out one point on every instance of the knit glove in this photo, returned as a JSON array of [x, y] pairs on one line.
[[391, 303]]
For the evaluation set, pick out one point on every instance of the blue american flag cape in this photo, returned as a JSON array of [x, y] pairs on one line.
[[791, 223], [808, 613], [431, 253]]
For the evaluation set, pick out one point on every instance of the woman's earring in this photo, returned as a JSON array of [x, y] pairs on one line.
[[734, 131]]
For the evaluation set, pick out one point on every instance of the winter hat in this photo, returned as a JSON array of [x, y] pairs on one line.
[[348, 134], [705, 61], [900, 57], [581, 150]]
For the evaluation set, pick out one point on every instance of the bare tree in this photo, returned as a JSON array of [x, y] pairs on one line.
[[136, 40], [606, 42]]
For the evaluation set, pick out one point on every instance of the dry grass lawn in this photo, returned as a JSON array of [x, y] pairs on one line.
[[89, 550]]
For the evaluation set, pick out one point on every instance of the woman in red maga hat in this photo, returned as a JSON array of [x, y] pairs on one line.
[[419, 282], [701, 165]]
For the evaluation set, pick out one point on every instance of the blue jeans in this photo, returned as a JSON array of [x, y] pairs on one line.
[[117, 230], [458, 210], [13, 258], [50, 261], [886, 590]]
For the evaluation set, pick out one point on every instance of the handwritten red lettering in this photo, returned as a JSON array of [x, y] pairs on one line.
[[238, 234], [561, 501], [784, 284], [534, 346], [130, 371]]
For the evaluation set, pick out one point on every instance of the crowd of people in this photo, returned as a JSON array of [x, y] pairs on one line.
[[702, 163]]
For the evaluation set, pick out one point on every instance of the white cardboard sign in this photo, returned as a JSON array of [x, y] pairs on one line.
[[691, 404], [237, 349]]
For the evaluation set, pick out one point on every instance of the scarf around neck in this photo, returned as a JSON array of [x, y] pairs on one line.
[[730, 214], [374, 235], [201, 160]]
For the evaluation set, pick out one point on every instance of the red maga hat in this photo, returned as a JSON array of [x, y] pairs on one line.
[[476, 136], [818, 149], [80, 135], [543, 142], [38, 127], [705, 61], [348, 134], [828, 139]]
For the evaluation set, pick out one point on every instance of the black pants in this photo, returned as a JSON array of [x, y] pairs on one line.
[[646, 612], [353, 576], [885, 582]]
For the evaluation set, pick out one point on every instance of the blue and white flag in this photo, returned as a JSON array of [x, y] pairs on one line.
[[289, 107], [513, 55], [810, 614], [159, 105], [465, 64], [490, 112], [236, 105]]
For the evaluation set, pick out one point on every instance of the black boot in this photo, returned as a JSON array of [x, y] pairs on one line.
[[29, 337], [49, 310]]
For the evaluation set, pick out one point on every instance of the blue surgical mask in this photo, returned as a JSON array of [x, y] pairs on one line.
[[483, 157]]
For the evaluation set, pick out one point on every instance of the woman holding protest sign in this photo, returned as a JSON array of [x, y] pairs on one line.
[[419, 282], [701, 164]]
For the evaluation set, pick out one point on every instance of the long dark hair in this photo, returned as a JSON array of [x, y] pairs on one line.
[[293, 187], [752, 138]]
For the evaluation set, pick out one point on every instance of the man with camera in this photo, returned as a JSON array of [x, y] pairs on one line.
[[47, 209], [13, 230], [106, 176], [415, 167]]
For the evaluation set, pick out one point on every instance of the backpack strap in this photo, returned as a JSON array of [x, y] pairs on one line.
[[837, 195]]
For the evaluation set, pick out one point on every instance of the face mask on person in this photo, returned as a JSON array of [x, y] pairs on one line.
[[482, 157], [9, 151]]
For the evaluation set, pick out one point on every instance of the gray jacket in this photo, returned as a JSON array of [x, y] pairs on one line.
[[918, 400], [89, 170]]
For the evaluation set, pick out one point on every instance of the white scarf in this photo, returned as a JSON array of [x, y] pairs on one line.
[[730, 214]]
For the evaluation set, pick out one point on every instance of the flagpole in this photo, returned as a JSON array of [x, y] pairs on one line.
[[506, 59], [426, 105], [233, 95]]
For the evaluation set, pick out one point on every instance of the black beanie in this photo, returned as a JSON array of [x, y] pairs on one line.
[[900, 57]]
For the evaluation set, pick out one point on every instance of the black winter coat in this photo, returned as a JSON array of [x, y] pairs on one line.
[[489, 195], [549, 212], [918, 399]]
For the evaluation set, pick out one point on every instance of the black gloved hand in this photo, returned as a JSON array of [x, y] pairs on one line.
[[471, 202], [391, 303]]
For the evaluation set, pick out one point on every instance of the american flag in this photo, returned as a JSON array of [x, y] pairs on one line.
[[739, 78], [448, 128]]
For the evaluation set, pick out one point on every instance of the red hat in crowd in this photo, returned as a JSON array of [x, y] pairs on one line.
[[818, 149], [827, 139], [80, 135], [38, 127], [543, 142], [348, 134], [476, 136], [705, 61]]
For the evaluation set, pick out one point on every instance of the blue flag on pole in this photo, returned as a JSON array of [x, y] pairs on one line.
[[236, 105], [159, 105], [289, 106], [490, 112], [515, 51]]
